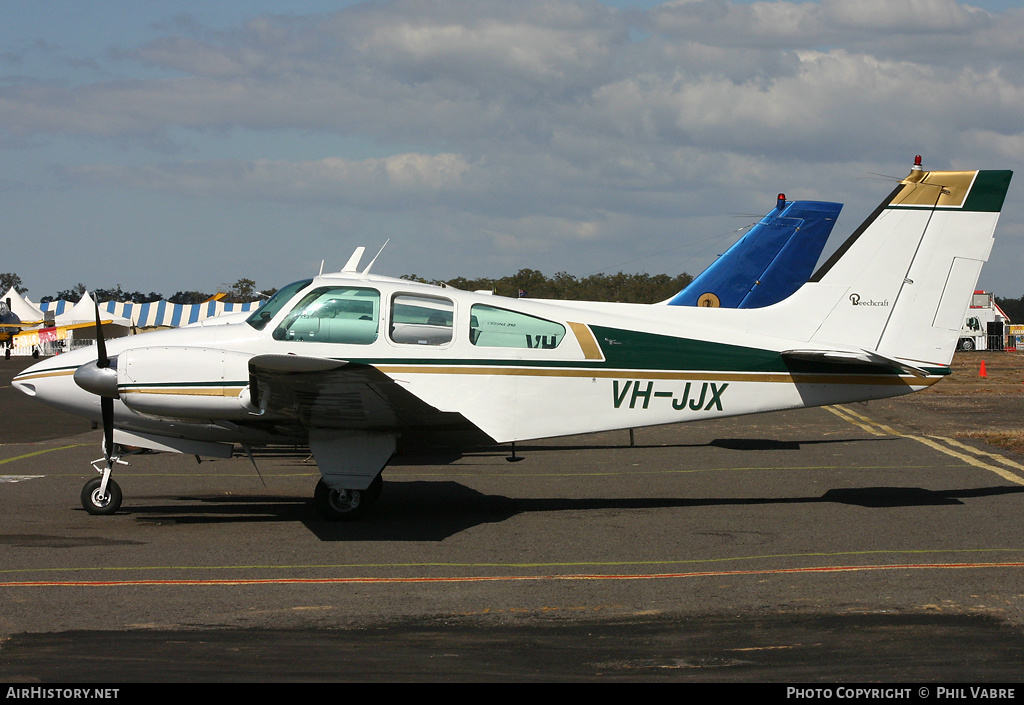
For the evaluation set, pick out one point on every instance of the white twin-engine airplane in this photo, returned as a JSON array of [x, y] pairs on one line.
[[357, 366]]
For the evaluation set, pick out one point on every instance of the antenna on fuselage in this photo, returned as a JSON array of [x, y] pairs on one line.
[[367, 270], [353, 262]]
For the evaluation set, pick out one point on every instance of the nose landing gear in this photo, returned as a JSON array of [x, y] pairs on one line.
[[101, 495], [97, 499]]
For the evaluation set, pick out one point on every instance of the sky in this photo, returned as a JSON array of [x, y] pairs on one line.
[[176, 146]]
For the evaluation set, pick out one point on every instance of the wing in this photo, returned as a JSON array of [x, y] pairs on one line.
[[323, 394]]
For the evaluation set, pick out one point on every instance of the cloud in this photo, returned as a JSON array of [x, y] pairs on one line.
[[808, 24], [548, 122], [485, 78], [393, 182]]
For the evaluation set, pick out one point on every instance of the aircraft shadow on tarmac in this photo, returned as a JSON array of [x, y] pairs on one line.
[[435, 510], [430, 510]]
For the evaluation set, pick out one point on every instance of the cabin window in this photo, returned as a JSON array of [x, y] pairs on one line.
[[499, 328], [333, 315], [262, 316], [421, 320]]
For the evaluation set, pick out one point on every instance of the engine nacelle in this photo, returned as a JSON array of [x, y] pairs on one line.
[[186, 383]]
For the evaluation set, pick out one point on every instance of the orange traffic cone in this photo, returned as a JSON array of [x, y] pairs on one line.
[[981, 372]]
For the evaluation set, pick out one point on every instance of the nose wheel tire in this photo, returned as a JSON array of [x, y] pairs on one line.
[[96, 503], [345, 505]]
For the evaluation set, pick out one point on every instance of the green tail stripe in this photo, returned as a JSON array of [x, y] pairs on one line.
[[989, 191]]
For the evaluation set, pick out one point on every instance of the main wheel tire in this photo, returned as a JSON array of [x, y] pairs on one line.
[[346, 505], [95, 503]]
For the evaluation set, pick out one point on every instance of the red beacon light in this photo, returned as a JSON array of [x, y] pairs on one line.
[[917, 163], [781, 202]]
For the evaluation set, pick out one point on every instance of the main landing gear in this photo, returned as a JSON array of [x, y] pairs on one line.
[[346, 505]]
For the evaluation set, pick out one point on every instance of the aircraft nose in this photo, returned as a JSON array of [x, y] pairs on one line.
[[51, 381], [26, 381], [24, 387], [98, 380]]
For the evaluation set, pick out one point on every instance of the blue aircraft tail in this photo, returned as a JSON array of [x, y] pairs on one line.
[[774, 259]]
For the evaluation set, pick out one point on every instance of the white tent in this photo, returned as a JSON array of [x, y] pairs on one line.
[[73, 328], [24, 309], [85, 312]]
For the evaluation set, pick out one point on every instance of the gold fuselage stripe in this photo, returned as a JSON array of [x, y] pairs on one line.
[[588, 343], [43, 375], [187, 391]]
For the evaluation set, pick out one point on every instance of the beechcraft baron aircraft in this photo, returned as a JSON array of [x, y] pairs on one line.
[[357, 365]]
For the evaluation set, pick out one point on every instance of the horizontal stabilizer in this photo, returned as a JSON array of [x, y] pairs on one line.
[[848, 357]]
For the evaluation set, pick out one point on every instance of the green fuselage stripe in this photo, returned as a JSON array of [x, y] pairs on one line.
[[627, 353]]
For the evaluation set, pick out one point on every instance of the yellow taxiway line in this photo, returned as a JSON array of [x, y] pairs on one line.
[[952, 448]]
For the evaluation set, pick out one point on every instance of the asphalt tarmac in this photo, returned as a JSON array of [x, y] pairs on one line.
[[824, 546]]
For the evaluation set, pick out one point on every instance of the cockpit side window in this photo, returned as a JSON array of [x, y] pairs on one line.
[[497, 327], [333, 314], [262, 316], [421, 320]]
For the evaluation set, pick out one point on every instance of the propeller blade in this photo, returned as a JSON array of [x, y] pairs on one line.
[[101, 346], [106, 403]]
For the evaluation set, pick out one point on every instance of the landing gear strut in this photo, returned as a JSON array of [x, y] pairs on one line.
[[346, 505]]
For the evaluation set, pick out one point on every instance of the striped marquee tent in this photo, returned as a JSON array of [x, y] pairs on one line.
[[159, 313]]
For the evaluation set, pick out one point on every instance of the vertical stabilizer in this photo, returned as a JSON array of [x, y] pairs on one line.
[[771, 261], [900, 284]]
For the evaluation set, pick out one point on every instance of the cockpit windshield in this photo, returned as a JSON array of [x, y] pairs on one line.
[[333, 314], [262, 316]]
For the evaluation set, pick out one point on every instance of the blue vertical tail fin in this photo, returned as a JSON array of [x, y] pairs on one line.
[[770, 262]]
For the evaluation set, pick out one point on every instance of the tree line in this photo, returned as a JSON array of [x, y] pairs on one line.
[[1013, 308], [621, 287], [241, 291]]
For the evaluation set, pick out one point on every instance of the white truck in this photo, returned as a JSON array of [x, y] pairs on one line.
[[985, 324]]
